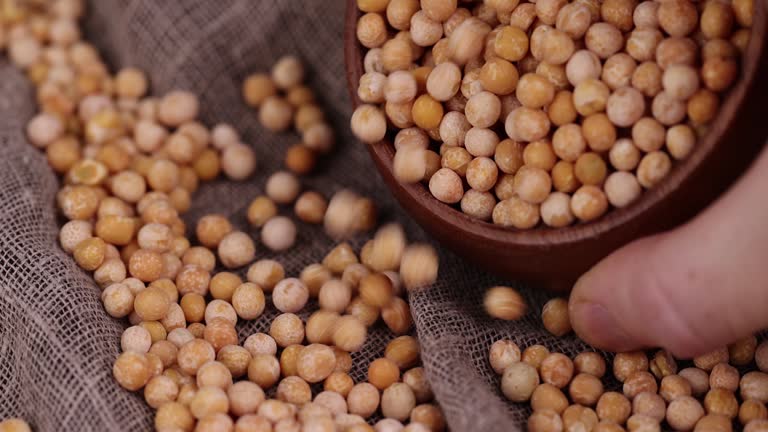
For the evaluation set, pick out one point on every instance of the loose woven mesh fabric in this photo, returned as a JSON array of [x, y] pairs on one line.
[[57, 344]]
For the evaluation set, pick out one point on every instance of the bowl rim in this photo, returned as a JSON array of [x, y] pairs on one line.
[[542, 236]]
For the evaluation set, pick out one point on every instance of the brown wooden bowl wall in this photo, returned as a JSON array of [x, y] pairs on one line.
[[555, 258]]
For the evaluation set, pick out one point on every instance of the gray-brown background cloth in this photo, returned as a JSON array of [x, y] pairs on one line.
[[57, 344]]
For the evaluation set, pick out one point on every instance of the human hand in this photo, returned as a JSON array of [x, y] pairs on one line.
[[691, 290]]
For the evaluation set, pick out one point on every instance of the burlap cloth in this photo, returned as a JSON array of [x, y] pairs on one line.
[[57, 345]]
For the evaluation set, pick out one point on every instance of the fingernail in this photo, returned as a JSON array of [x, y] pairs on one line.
[[597, 326]]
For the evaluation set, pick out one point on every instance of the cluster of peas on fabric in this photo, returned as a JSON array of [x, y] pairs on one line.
[[130, 164], [522, 113], [657, 393], [284, 101]]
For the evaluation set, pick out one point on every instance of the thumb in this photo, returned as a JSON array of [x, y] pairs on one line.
[[692, 290]]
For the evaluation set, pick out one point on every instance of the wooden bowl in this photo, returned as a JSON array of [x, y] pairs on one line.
[[555, 258]]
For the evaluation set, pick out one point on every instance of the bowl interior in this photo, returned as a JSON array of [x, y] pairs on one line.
[[440, 217]]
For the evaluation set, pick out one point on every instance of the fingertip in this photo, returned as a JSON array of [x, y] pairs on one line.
[[607, 303], [635, 299], [594, 323]]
